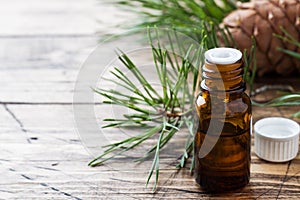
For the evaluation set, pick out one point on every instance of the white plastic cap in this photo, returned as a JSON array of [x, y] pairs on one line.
[[223, 55], [276, 139]]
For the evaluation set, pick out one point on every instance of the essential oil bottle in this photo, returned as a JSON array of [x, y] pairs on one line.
[[223, 139]]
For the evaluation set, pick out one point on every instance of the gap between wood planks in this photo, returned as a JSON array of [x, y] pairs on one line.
[[17, 120]]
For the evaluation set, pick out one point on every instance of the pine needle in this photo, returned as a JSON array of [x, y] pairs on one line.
[[156, 113]]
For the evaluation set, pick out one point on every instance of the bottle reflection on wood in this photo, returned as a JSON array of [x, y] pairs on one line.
[[223, 139]]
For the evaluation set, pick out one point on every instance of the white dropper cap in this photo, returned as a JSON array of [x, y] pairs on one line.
[[223, 55]]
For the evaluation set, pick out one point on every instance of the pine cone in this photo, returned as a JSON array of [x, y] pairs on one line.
[[263, 19]]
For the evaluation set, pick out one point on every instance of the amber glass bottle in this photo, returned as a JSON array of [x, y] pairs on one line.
[[223, 138]]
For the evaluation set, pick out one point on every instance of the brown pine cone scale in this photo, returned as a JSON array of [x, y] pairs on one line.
[[264, 19]]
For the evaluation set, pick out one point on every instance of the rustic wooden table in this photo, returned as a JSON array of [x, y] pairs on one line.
[[42, 157]]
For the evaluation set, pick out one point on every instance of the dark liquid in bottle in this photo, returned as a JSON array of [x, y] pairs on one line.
[[227, 166]]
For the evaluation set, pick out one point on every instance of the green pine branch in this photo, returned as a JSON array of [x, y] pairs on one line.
[[162, 114]]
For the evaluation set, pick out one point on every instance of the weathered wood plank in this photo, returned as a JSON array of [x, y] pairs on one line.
[[54, 161], [53, 128], [24, 86], [45, 70], [176, 185], [45, 52], [60, 17], [41, 70], [66, 160]]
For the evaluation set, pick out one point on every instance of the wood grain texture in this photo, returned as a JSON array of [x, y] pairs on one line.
[[43, 157], [60, 17], [54, 163]]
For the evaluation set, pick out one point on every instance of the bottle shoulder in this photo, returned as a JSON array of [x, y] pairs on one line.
[[233, 104]]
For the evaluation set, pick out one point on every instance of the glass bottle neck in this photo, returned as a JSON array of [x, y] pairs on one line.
[[223, 78]]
